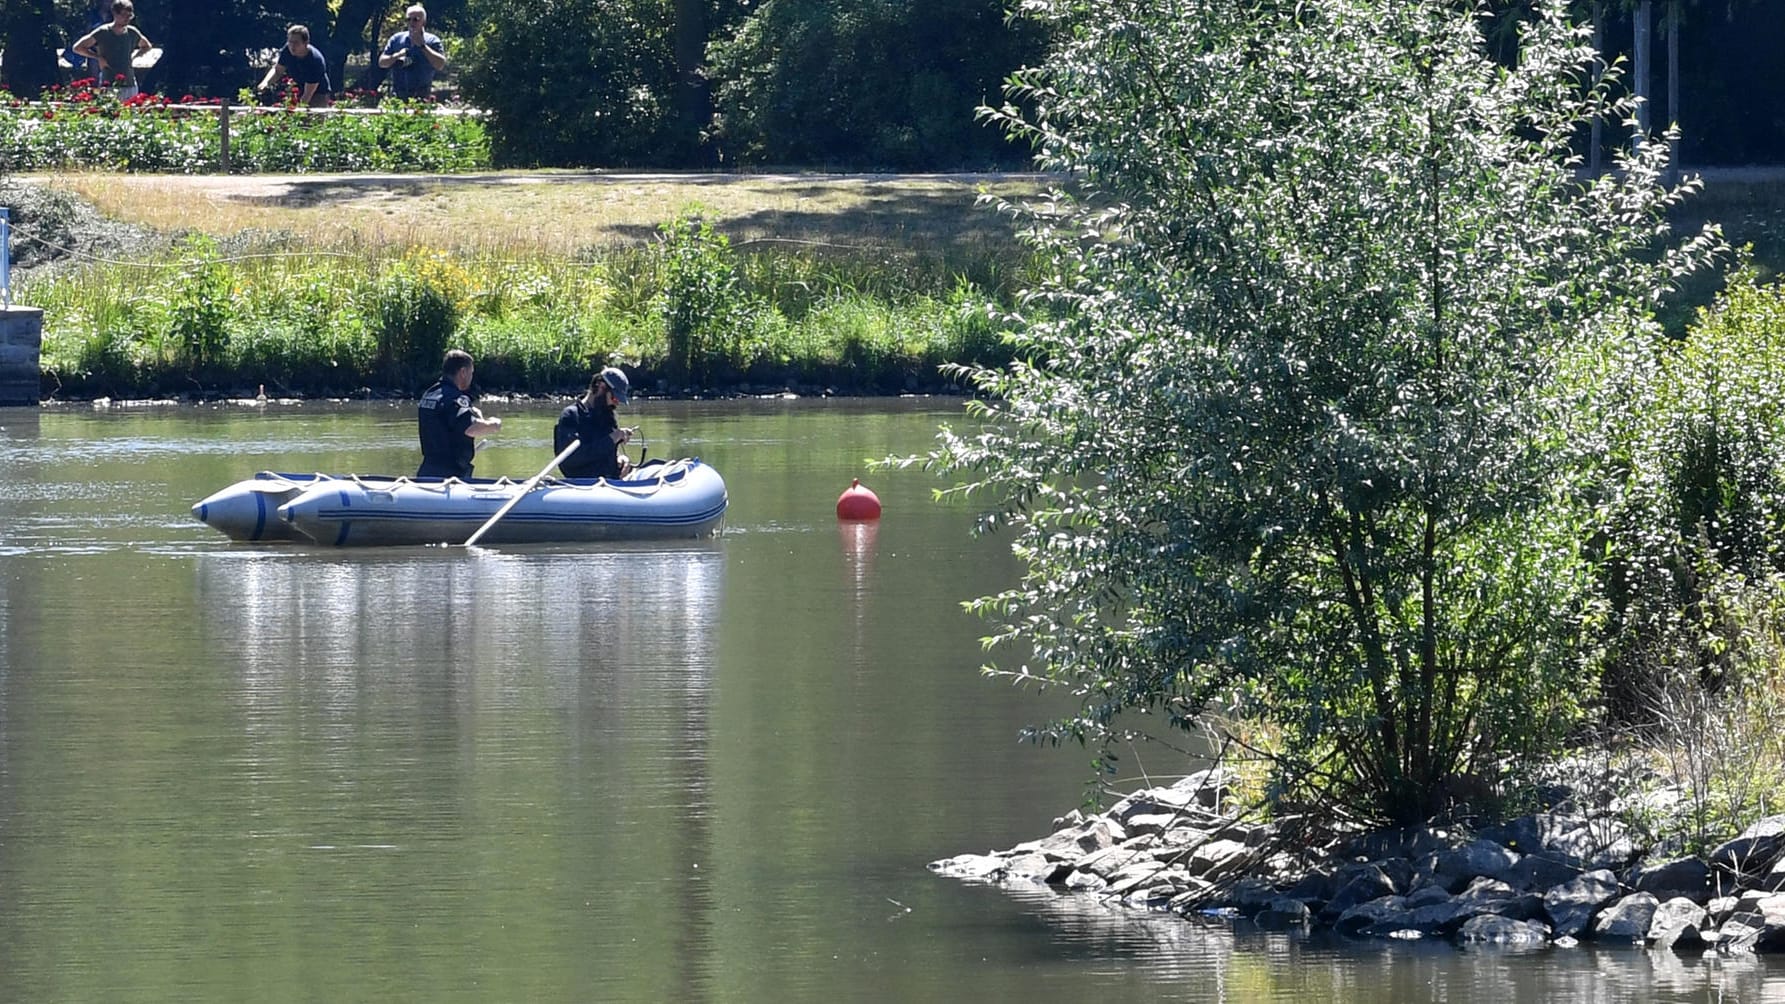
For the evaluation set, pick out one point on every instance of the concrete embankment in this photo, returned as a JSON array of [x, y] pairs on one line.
[[21, 341]]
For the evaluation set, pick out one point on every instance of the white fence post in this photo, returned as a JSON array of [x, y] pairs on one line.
[[6, 257]]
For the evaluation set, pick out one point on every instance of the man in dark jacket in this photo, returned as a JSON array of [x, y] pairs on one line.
[[413, 56], [591, 420], [449, 425]]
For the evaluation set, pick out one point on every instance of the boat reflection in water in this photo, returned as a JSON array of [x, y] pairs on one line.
[[490, 626]]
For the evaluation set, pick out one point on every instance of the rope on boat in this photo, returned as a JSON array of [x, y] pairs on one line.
[[663, 472], [657, 484]]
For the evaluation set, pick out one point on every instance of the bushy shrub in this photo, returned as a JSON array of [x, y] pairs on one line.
[[1692, 497], [605, 99], [416, 308], [201, 309], [705, 308], [867, 84]]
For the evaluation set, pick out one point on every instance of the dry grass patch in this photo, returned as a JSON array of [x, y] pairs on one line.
[[561, 213]]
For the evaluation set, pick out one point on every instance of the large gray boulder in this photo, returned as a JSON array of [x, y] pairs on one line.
[[1210, 789], [1455, 867], [1075, 842], [1407, 842], [1539, 873], [1628, 919], [1751, 856], [1034, 866], [1366, 883], [1079, 881], [1491, 896], [1757, 925], [1376, 911], [1427, 895], [1586, 843], [1688, 877], [1571, 905], [1678, 923], [1491, 929]]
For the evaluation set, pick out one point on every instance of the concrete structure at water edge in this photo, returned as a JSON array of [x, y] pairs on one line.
[[21, 342]]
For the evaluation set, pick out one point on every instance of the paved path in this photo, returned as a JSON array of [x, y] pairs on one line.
[[259, 187]]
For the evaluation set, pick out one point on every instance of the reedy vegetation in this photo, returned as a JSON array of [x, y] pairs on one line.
[[686, 312], [1286, 436]]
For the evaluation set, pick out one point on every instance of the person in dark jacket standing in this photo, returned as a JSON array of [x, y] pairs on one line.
[[591, 420], [448, 423], [413, 56]]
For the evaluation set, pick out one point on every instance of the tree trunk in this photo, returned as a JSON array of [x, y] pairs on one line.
[[1673, 84], [693, 102], [1594, 165], [203, 50], [355, 26], [1643, 17]]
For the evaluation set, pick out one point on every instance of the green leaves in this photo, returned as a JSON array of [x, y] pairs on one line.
[[1289, 420]]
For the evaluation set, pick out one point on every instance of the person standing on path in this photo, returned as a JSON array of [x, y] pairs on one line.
[[116, 46], [303, 63], [448, 424], [413, 56], [591, 419]]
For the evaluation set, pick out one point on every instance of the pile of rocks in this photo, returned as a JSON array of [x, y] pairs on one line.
[[1543, 878]]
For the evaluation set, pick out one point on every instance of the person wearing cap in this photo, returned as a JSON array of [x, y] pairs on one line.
[[448, 423], [591, 420]]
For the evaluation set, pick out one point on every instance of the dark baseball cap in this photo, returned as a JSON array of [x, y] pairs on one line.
[[616, 381]]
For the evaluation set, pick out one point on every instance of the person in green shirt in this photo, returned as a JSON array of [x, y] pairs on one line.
[[116, 46]]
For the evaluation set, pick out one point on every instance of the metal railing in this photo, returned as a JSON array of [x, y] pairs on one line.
[[5, 258]]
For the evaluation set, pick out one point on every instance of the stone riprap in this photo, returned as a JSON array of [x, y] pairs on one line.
[[1547, 878]]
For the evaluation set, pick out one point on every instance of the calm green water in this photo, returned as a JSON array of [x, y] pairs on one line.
[[695, 772]]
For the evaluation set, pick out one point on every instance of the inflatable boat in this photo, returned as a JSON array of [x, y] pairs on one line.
[[660, 500]]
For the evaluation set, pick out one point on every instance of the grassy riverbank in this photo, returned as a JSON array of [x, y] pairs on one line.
[[349, 284], [354, 284]]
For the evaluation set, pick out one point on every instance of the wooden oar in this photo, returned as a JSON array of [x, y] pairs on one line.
[[534, 480]]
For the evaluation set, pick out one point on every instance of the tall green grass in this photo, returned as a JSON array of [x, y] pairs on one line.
[[687, 314]]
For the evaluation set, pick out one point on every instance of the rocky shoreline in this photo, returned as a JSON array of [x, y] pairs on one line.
[[1546, 879]]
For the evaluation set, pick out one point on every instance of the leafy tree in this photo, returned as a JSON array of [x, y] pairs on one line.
[[574, 83], [30, 40], [866, 83], [1692, 460], [205, 43], [1283, 439]]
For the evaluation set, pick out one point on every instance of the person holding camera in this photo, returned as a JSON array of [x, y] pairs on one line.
[[303, 63], [413, 56]]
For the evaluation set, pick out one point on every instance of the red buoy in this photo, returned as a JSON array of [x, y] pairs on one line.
[[857, 502]]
